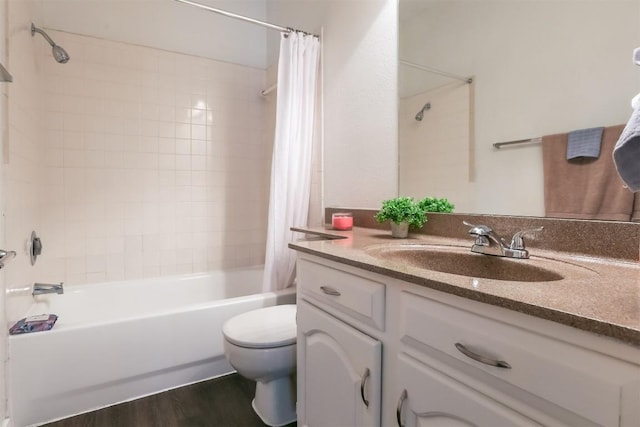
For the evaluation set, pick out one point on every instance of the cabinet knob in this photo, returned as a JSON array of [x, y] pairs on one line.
[[403, 397], [482, 359]]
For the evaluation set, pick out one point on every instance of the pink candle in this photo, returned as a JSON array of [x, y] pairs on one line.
[[342, 221]]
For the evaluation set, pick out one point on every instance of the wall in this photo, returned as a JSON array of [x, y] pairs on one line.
[[23, 156], [437, 146], [360, 94], [539, 68], [156, 163], [3, 143], [167, 25], [361, 103]]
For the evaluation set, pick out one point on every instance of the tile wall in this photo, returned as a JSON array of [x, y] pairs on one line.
[[444, 134], [22, 154], [154, 163]]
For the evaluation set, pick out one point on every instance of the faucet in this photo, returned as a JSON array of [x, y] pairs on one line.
[[44, 288], [488, 242]]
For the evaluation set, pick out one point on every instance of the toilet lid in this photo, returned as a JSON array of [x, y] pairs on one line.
[[266, 327]]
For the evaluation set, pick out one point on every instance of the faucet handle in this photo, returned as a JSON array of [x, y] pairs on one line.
[[517, 241], [478, 230]]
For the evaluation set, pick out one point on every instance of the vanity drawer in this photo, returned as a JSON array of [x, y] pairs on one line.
[[354, 295], [581, 381]]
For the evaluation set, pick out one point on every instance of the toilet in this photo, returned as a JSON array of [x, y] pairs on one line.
[[261, 346]]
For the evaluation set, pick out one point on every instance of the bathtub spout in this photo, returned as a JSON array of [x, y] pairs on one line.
[[44, 288]]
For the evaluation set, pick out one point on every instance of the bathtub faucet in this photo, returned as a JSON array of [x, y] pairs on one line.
[[44, 288]]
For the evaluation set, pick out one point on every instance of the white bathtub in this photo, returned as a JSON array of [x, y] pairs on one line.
[[115, 342]]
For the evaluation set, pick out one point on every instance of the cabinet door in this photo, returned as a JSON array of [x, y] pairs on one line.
[[338, 369], [433, 399]]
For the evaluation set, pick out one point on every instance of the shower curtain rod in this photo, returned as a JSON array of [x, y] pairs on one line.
[[469, 80], [244, 18]]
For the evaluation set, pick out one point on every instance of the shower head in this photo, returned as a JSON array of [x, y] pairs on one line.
[[420, 114], [58, 52]]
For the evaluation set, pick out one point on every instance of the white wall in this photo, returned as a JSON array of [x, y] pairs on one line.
[[361, 103], [539, 68], [3, 142], [168, 25], [360, 94]]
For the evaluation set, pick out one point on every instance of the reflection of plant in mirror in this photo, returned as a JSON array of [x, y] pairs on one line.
[[402, 209], [433, 204]]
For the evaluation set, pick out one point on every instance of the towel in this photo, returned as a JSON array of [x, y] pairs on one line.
[[626, 153], [584, 143], [584, 188]]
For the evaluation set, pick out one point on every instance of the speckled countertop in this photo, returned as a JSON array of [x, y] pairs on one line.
[[599, 295]]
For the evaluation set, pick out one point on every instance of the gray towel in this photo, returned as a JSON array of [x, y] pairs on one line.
[[626, 154], [584, 143]]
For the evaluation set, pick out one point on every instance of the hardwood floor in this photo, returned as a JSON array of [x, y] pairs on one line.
[[222, 402]]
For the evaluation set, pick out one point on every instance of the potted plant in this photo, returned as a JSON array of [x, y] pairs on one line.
[[403, 212], [433, 204]]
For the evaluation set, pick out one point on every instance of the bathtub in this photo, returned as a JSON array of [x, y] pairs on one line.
[[119, 341]]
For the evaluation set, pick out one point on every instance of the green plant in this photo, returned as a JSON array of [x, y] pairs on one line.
[[402, 209], [433, 204]]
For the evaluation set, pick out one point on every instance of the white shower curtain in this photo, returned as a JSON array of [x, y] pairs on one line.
[[292, 149]]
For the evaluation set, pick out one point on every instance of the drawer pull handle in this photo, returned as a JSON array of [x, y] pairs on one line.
[[365, 376], [330, 291], [482, 359], [403, 397]]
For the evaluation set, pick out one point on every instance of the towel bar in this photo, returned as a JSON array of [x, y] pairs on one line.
[[498, 145]]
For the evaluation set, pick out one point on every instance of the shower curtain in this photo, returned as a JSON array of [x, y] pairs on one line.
[[292, 150]]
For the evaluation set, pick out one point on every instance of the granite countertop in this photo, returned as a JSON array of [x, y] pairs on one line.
[[599, 295]]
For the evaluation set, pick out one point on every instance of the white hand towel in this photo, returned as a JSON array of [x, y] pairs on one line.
[[626, 153]]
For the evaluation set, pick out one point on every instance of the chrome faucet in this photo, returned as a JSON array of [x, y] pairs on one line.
[[488, 242], [44, 288]]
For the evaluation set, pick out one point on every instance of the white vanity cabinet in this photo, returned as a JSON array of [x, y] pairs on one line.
[[339, 366], [543, 378], [431, 398], [339, 372], [446, 360]]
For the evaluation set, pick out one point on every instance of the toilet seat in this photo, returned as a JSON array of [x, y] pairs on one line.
[[263, 328]]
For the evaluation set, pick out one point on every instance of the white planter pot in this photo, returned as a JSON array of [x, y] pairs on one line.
[[399, 231]]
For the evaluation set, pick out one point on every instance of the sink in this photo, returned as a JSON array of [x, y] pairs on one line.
[[463, 262]]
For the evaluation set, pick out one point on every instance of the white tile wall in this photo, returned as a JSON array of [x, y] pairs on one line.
[[22, 153], [154, 163]]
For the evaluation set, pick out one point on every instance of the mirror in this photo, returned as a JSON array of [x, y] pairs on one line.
[[538, 68]]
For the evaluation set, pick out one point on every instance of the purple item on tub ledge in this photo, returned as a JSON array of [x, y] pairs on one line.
[[42, 322]]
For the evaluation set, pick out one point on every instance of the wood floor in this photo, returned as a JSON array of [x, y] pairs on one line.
[[222, 402]]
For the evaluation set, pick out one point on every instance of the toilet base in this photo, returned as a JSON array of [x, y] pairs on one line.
[[275, 401]]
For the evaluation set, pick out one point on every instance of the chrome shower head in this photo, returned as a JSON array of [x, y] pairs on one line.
[[59, 54], [420, 114]]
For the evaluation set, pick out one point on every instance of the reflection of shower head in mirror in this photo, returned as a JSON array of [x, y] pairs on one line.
[[420, 114]]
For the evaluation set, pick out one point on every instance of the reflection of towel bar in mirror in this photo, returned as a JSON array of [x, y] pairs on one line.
[[498, 145]]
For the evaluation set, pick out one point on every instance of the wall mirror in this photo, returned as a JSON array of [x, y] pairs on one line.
[[538, 68]]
